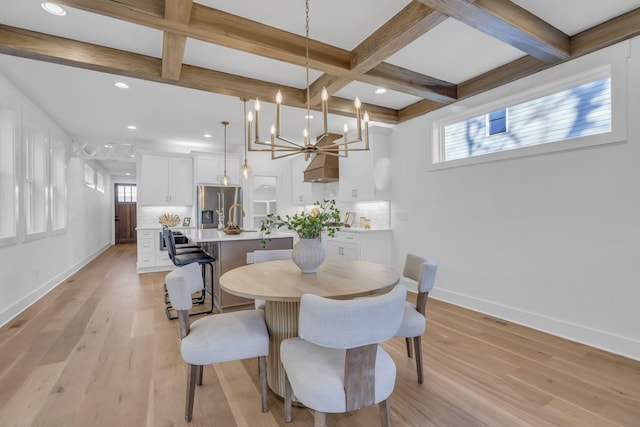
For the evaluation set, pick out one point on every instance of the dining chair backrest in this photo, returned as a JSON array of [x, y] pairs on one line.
[[361, 321], [421, 270], [182, 283]]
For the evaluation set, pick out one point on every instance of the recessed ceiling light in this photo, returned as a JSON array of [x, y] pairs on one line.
[[121, 85], [310, 117], [108, 146], [132, 127], [128, 173], [380, 91], [53, 8], [207, 135]]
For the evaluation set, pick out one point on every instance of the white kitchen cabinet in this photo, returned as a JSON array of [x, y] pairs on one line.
[[146, 242], [165, 180], [364, 175], [303, 193], [370, 245], [210, 169], [150, 256], [262, 208]]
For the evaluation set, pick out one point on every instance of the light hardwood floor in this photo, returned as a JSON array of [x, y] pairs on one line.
[[99, 351]]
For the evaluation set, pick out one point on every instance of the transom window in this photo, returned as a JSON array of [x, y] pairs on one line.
[[579, 111], [126, 193]]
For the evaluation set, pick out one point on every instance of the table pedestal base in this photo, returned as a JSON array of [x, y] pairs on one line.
[[282, 323]]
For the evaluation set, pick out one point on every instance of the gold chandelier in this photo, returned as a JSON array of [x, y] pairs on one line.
[[280, 146]]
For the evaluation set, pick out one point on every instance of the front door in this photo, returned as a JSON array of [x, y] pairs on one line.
[[125, 213]]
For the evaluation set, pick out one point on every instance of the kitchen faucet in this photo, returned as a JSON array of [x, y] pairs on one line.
[[231, 208]]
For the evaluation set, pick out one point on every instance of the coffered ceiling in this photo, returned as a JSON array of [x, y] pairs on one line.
[[188, 63]]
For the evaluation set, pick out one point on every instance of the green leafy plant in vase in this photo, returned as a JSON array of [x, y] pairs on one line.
[[308, 253]]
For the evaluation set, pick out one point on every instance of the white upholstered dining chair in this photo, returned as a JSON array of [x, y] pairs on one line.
[[264, 255], [423, 271], [335, 364], [216, 338]]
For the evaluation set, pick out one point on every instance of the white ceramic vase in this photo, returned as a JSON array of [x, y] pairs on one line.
[[308, 254]]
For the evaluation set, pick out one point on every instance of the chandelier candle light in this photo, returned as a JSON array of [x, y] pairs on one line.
[[225, 177], [246, 169], [289, 147]]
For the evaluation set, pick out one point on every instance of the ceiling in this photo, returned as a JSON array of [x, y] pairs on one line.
[[188, 63]]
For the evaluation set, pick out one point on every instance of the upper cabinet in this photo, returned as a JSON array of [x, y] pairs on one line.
[[165, 180], [210, 169], [365, 175], [303, 193]]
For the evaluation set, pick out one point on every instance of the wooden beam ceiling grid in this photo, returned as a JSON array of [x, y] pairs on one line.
[[221, 28], [603, 35], [179, 19], [510, 23]]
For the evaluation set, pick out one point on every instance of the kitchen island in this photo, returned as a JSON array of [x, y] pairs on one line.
[[230, 251]]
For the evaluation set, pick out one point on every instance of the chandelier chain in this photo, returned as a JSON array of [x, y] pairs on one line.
[[307, 66]]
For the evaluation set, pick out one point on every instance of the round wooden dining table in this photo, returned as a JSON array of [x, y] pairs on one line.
[[281, 284]]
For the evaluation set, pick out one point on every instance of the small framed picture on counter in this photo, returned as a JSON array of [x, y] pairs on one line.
[[348, 219], [187, 221]]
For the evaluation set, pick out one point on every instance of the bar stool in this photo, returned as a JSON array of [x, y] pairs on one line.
[[180, 249], [182, 259]]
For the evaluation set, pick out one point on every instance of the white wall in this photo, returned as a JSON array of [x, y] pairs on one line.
[[28, 270], [550, 241]]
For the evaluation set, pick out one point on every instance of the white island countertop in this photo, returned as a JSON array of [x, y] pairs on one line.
[[215, 235]]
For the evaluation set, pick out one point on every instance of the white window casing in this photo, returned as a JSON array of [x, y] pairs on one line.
[[8, 178], [608, 62]]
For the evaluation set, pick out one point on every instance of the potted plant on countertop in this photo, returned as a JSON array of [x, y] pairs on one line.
[[308, 253]]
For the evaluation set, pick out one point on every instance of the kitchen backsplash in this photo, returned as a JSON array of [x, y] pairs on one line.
[[377, 212], [148, 215]]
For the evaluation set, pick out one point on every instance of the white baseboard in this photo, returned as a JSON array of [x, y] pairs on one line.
[[595, 338], [19, 306]]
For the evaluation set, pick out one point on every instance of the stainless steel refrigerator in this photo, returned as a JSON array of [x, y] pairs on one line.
[[214, 203]]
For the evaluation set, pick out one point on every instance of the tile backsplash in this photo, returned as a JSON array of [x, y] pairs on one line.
[[148, 215], [377, 212]]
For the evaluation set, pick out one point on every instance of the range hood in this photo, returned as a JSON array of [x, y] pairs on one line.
[[323, 168]]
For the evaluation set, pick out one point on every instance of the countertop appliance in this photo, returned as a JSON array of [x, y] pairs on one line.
[[214, 203]]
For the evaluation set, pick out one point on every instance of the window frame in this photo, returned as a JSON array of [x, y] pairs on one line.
[[38, 180], [10, 210], [99, 182], [611, 62], [488, 121], [57, 189], [89, 181], [116, 192]]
